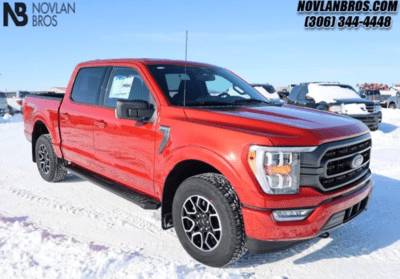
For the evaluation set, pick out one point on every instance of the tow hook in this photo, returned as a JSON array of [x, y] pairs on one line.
[[324, 235]]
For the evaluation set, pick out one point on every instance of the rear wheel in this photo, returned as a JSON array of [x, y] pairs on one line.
[[50, 168], [208, 220]]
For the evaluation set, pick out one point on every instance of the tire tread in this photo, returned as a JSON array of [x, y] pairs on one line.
[[223, 185], [60, 171]]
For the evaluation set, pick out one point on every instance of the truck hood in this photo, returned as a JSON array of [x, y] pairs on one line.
[[283, 126], [353, 101]]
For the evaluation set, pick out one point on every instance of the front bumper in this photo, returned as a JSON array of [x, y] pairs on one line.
[[372, 120], [265, 234]]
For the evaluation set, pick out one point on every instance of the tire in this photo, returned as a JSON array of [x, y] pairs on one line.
[[10, 110], [212, 196], [47, 162], [392, 106]]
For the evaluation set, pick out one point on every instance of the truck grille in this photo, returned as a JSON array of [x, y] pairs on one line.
[[338, 168], [367, 120], [370, 107]]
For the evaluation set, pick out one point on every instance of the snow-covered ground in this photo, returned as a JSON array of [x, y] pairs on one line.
[[74, 229]]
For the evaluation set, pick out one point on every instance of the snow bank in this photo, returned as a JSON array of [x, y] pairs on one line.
[[330, 93], [7, 118]]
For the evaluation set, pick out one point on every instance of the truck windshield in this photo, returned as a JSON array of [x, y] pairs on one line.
[[204, 86]]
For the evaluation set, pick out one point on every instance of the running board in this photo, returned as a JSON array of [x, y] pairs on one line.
[[140, 199]]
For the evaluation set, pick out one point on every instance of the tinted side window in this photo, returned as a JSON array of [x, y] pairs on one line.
[[23, 94], [294, 93], [87, 85], [127, 84], [11, 94], [302, 94]]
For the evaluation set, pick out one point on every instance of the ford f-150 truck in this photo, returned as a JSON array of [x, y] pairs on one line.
[[230, 172], [375, 95]]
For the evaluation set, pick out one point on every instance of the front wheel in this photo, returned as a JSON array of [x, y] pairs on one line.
[[50, 168], [208, 220], [392, 106]]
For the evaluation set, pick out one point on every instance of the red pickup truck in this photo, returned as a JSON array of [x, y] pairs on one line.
[[230, 171]]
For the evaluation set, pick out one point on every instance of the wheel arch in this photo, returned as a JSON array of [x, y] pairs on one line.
[[180, 172], [392, 103], [39, 129]]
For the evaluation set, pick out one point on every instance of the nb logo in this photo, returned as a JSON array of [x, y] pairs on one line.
[[18, 15]]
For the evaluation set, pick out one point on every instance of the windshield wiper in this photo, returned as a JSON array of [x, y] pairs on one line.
[[208, 103], [246, 101]]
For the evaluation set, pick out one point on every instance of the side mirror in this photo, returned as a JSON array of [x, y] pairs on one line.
[[137, 110]]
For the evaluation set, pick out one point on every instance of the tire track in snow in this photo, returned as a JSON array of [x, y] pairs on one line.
[[103, 215], [117, 206]]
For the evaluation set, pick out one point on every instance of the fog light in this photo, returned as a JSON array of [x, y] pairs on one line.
[[291, 215]]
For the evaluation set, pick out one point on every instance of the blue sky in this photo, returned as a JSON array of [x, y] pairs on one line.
[[262, 41]]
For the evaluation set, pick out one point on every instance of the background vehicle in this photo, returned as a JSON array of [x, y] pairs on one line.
[[285, 91], [202, 144], [337, 98], [375, 95], [394, 101], [268, 91], [3, 104], [15, 100]]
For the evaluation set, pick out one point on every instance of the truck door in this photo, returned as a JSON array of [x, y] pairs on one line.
[[125, 148], [293, 95], [304, 100], [77, 115]]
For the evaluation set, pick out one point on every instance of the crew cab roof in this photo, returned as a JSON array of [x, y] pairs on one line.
[[144, 61], [319, 82]]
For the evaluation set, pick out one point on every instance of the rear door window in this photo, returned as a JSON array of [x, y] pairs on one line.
[[87, 85]]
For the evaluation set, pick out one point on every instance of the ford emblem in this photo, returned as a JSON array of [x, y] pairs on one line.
[[357, 161]]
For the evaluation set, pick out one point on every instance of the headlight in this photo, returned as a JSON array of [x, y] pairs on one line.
[[277, 169], [336, 109], [377, 107]]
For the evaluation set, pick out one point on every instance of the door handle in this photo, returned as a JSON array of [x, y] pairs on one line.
[[65, 116], [100, 123]]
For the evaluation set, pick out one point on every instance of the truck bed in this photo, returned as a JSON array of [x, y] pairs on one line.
[[48, 95], [43, 108]]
